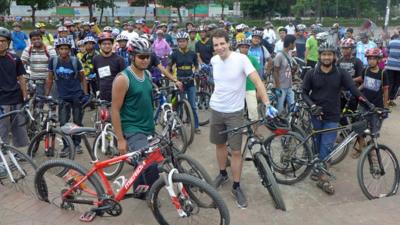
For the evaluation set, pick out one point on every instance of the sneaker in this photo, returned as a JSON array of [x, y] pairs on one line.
[[78, 149], [392, 103], [220, 180], [197, 131], [240, 198]]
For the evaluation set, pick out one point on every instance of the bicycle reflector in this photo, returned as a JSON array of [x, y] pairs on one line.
[[104, 115]]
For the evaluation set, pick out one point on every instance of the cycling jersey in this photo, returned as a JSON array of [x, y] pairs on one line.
[[353, 66], [87, 63], [205, 49], [185, 62], [123, 52]]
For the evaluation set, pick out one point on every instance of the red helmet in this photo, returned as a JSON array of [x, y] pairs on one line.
[[373, 52], [105, 36], [347, 43]]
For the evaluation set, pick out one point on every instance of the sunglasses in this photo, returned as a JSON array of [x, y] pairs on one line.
[[143, 57]]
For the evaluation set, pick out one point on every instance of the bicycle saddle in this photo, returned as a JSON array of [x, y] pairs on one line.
[[73, 129]]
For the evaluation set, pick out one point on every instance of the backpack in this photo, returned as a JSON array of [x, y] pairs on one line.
[[12, 57], [45, 51], [74, 65]]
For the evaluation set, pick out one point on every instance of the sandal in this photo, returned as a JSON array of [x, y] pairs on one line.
[[326, 186]]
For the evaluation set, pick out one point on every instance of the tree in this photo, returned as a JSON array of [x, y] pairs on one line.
[[90, 4], [5, 7], [177, 4], [223, 4], [37, 5], [102, 4]]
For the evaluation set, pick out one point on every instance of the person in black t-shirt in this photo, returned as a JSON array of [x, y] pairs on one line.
[[204, 47], [155, 64], [186, 62], [375, 87], [107, 65], [321, 91], [12, 93]]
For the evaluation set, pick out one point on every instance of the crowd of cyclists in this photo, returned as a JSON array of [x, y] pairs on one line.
[[119, 64]]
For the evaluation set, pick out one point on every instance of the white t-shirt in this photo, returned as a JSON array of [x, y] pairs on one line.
[[278, 46], [230, 82], [291, 30], [270, 35], [130, 35]]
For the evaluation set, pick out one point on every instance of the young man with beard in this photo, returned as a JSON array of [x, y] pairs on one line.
[[107, 65], [230, 70], [132, 107], [321, 91]]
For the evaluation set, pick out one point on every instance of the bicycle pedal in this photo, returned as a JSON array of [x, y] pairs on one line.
[[88, 216]]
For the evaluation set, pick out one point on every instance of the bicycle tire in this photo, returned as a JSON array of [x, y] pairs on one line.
[[366, 158], [180, 131], [197, 169], [189, 182], [110, 153], [186, 115], [34, 146], [203, 106], [290, 169], [42, 188], [269, 180], [23, 182]]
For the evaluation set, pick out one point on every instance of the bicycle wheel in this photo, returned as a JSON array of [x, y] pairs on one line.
[[179, 136], [105, 148], [49, 145], [22, 169], [203, 106], [290, 159], [56, 177], [164, 212], [185, 113], [378, 172], [339, 156], [268, 180]]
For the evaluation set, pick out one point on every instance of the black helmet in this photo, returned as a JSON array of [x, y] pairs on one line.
[[327, 47], [35, 33], [4, 32]]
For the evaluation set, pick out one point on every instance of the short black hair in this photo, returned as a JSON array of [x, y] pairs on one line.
[[350, 30], [220, 33], [35, 33], [289, 39]]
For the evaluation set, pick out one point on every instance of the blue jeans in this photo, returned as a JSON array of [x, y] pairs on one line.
[[324, 142], [191, 95], [287, 95]]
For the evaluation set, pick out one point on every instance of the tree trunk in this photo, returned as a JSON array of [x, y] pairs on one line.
[[33, 15], [101, 15], [145, 9], [223, 9], [112, 8], [319, 11], [155, 9], [357, 8], [90, 11], [179, 15]]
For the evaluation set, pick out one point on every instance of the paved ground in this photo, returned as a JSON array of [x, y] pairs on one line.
[[306, 204]]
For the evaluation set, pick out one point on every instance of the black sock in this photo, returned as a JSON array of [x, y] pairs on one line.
[[235, 185], [223, 173]]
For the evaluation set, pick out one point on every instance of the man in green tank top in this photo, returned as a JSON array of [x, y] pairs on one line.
[[132, 108]]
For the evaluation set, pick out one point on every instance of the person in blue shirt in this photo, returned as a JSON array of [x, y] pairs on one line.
[[19, 39], [67, 72], [122, 49], [363, 46], [262, 55]]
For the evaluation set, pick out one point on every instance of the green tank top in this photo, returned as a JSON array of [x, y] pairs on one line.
[[137, 111]]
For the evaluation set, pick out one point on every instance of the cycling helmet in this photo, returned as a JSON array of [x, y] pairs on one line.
[[38, 25], [35, 33], [322, 36], [212, 26], [117, 22], [240, 26], [326, 47], [162, 25], [115, 32], [139, 46], [301, 27], [243, 42], [192, 30], [16, 24], [378, 41], [89, 39], [4, 32], [373, 52], [139, 21], [107, 29], [80, 43], [182, 35], [122, 38], [62, 29], [105, 36], [227, 24], [63, 41], [315, 28], [159, 32], [146, 36], [86, 23], [68, 23], [347, 43], [202, 28], [257, 33], [78, 21], [205, 69]]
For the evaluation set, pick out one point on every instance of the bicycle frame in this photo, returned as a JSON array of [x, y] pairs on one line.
[[155, 155], [13, 159]]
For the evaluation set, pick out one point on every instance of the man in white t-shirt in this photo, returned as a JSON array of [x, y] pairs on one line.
[[269, 33], [230, 70], [291, 29], [130, 33]]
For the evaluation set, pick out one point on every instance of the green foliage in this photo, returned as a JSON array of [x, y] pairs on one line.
[[4, 7]]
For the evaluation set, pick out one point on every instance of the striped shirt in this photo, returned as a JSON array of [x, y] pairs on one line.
[[393, 61], [38, 61]]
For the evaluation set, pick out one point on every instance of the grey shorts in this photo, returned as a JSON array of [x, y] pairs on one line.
[[136, 141], [12, 124], [223, 121]]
